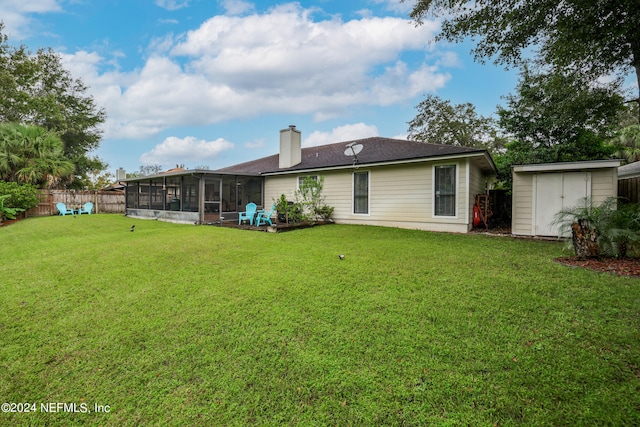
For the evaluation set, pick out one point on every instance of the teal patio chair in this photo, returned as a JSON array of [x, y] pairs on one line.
[[87, 208], [62, 209], [265, 217], [249, 212]]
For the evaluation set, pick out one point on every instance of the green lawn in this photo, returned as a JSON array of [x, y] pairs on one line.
[[206, 326]]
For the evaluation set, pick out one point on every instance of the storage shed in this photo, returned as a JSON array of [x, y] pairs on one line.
[[542, 190]]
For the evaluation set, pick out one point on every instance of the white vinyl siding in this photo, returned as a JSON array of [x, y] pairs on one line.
[[398, 195], [522, 204], [534, 186]]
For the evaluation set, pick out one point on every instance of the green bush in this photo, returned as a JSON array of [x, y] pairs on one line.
[[309, 198], [288, 212], [23, 196], [325, 212], [308, 206], [7, 212]]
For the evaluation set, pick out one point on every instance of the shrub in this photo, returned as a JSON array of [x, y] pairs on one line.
[[288, 211], [309, 197], [324, 212], [23, 196], [7, 212]]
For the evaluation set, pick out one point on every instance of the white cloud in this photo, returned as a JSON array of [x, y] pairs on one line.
[[185, 150], [172, 4], [259, 143], [449, 59], [15, 15], [282, 61], [401, 136], [237, 7], [168, 21], [396, 5], [341, 133], [32, 6]]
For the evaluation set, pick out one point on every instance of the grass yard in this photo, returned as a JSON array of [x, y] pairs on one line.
[[203, 326]]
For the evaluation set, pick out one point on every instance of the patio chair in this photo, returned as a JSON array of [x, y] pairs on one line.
[[249, 212], [87, 208], [62, 209], [265, 217]]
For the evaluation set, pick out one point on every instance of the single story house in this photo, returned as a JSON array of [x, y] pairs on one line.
[[375, 181], [542, 190]]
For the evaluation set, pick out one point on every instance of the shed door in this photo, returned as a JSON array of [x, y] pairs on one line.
[[554, 192]]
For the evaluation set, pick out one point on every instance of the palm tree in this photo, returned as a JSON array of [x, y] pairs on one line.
[[31, 154], [628, 143]]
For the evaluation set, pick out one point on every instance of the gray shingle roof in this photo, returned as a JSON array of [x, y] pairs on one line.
[[374, 150]]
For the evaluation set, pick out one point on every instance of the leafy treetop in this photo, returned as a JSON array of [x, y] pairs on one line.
[[36, 89], [586, 36]]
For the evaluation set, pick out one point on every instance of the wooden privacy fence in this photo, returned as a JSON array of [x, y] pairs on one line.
[[103, 201], [629, 189]]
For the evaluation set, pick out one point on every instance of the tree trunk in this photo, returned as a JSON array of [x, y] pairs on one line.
[[585, 239], [622, 249]]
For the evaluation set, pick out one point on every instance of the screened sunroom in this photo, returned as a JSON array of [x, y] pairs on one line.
[[192, 196]]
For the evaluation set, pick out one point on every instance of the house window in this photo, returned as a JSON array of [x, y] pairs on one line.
[[302, 178], [445, 190], [361, 193]]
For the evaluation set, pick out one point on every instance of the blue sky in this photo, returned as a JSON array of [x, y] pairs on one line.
[[211, 82]]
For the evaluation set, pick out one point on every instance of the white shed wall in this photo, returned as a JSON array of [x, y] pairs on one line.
[[603, 184]]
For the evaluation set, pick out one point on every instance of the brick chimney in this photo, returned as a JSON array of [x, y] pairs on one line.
[[290, 147]]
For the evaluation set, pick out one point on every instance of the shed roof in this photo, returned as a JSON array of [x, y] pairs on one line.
[[375, 150], [566, 166], [629, 171]]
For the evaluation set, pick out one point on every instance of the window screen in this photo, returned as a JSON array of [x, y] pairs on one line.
[[445, 190], [361, 192]]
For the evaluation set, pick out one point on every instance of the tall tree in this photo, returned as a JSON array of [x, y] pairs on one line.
[[627, 139], [598, 37], [146, 170], [556, 117], [627, 143], [561, 117], [32, 155], [36, 89], [439, 121]]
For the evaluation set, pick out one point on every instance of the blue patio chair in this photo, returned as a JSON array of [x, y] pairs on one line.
[[249, 212], [265, 217], [87, 208], [62, 209]]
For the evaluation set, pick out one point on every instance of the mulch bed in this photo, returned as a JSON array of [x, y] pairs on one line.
[[621, 267]]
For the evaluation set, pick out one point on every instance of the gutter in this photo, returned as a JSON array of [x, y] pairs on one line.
[[386, 163]]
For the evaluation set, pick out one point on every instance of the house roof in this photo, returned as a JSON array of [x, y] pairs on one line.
[[376, 150], [566, 166], [629, 171]]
